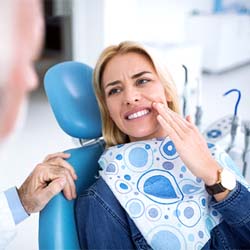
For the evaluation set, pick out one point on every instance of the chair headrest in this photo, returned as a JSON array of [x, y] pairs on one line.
[[68, 86]]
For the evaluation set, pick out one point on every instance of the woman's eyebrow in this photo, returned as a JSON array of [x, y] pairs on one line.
[[112, 84], [133, 77], [140, 74]]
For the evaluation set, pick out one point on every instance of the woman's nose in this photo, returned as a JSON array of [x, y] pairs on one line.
[[131, 96]]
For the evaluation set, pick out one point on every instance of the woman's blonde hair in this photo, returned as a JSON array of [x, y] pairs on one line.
[[111, 133]]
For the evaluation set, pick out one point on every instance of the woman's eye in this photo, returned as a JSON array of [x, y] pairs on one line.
[[113, 91], [142, 81]]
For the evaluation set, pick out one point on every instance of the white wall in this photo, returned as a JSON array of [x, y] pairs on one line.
[[87, 30], [98, 23], [164, 21]]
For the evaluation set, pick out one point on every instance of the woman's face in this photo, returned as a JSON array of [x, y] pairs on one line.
[[131, 85]]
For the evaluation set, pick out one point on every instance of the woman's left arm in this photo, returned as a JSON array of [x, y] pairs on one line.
[[190, 145]]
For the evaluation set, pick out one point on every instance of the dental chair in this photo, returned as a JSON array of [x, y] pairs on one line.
[[68, 87]]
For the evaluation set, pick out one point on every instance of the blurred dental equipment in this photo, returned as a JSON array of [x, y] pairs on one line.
[[198, 111], [234, 148], [185, 96], [246, 152], [235, 120], [230, 126]]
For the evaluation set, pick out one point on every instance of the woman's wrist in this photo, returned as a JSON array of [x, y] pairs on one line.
[[211, 176], [221, 196], [219, 182]]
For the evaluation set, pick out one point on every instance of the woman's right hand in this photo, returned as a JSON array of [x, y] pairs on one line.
[[189, 143]]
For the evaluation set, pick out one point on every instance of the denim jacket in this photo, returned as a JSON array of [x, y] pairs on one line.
[[103, 224]]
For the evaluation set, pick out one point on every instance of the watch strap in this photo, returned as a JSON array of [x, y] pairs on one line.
[[215, 189]]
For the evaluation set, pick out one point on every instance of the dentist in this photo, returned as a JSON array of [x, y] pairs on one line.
[[21, 32]]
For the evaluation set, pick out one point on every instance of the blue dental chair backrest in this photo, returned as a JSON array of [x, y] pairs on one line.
[[69, 90]]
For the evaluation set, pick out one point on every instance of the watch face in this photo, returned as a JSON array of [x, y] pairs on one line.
[[228, 179]]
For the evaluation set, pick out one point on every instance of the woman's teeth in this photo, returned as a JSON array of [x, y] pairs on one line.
[[138, 114]]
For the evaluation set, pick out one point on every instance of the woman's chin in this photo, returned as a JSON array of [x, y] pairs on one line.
[[145, 135]]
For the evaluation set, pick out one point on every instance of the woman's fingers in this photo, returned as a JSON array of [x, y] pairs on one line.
[[172, 118], [183, 124], [169, 129], [189, 119]]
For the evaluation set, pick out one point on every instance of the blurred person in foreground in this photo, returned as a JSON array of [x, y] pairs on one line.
[[21, 32]]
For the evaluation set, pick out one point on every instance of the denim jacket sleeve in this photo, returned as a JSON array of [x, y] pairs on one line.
[[99, 223], [234, 231]]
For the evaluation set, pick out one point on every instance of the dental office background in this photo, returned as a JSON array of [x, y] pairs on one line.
[[211, 38]]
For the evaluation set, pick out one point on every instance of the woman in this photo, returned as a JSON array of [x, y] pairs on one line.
[[151, 192]]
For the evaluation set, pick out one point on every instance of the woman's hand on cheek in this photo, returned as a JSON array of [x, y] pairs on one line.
[[189, 143]]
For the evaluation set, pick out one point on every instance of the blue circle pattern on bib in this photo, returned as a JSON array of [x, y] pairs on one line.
[[152, 184], [168, 150], [139, 157]]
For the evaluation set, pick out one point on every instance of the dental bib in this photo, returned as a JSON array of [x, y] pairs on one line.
[[168, 204]]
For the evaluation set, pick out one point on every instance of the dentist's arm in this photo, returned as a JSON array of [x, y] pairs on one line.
[[49, 178]]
